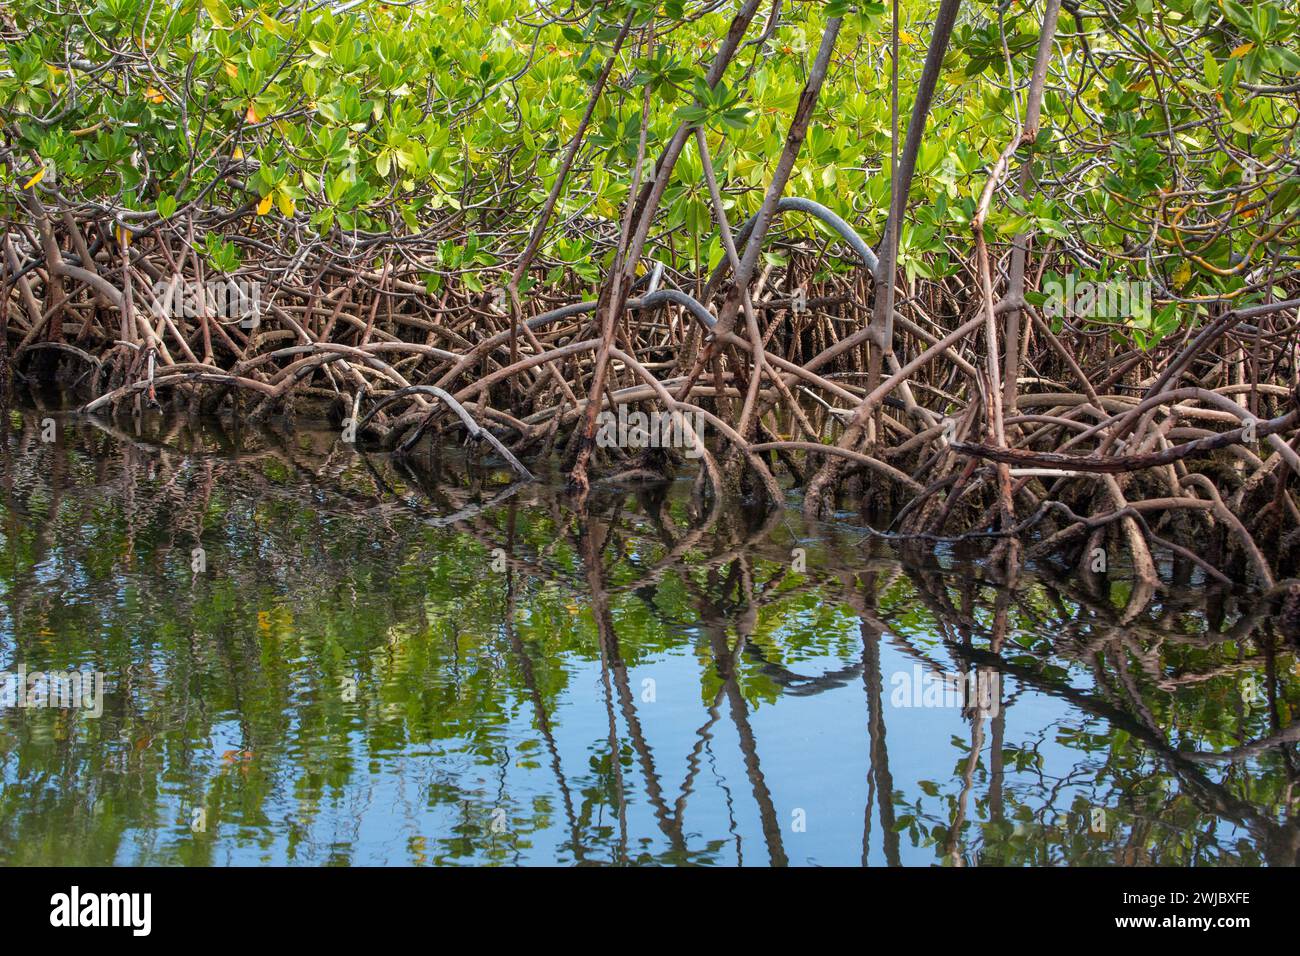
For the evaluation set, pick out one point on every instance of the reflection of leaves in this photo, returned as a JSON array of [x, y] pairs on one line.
[[246, 662]]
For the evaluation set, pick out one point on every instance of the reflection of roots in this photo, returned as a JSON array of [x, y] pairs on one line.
[[1131, 461], [730, 571]]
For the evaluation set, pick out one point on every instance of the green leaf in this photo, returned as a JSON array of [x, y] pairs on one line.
[[1211, 69], [1288, 57], [218, 11]]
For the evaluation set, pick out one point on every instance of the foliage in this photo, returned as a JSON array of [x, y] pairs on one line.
[[1166, 152]]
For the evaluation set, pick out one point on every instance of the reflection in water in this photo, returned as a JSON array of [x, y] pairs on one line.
[[389, 664]]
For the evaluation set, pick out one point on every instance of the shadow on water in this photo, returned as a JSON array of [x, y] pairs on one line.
[[376, 662]]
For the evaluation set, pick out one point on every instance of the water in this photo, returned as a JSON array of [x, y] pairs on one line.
[[354, 679]]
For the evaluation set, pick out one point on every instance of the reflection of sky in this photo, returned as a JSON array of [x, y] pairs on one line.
[[791, 754], [813, 752]]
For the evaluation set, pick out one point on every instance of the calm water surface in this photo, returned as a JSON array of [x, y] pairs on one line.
[[424, 665]]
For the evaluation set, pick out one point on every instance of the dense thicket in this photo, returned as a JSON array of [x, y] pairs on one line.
[[502, 217]]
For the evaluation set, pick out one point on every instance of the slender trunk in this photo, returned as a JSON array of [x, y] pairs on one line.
[[548, 208], [613, 298], [744, 269], [1020, 253], [882, 319]]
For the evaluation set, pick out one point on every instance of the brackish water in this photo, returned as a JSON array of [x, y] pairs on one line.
[[423, 665]]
